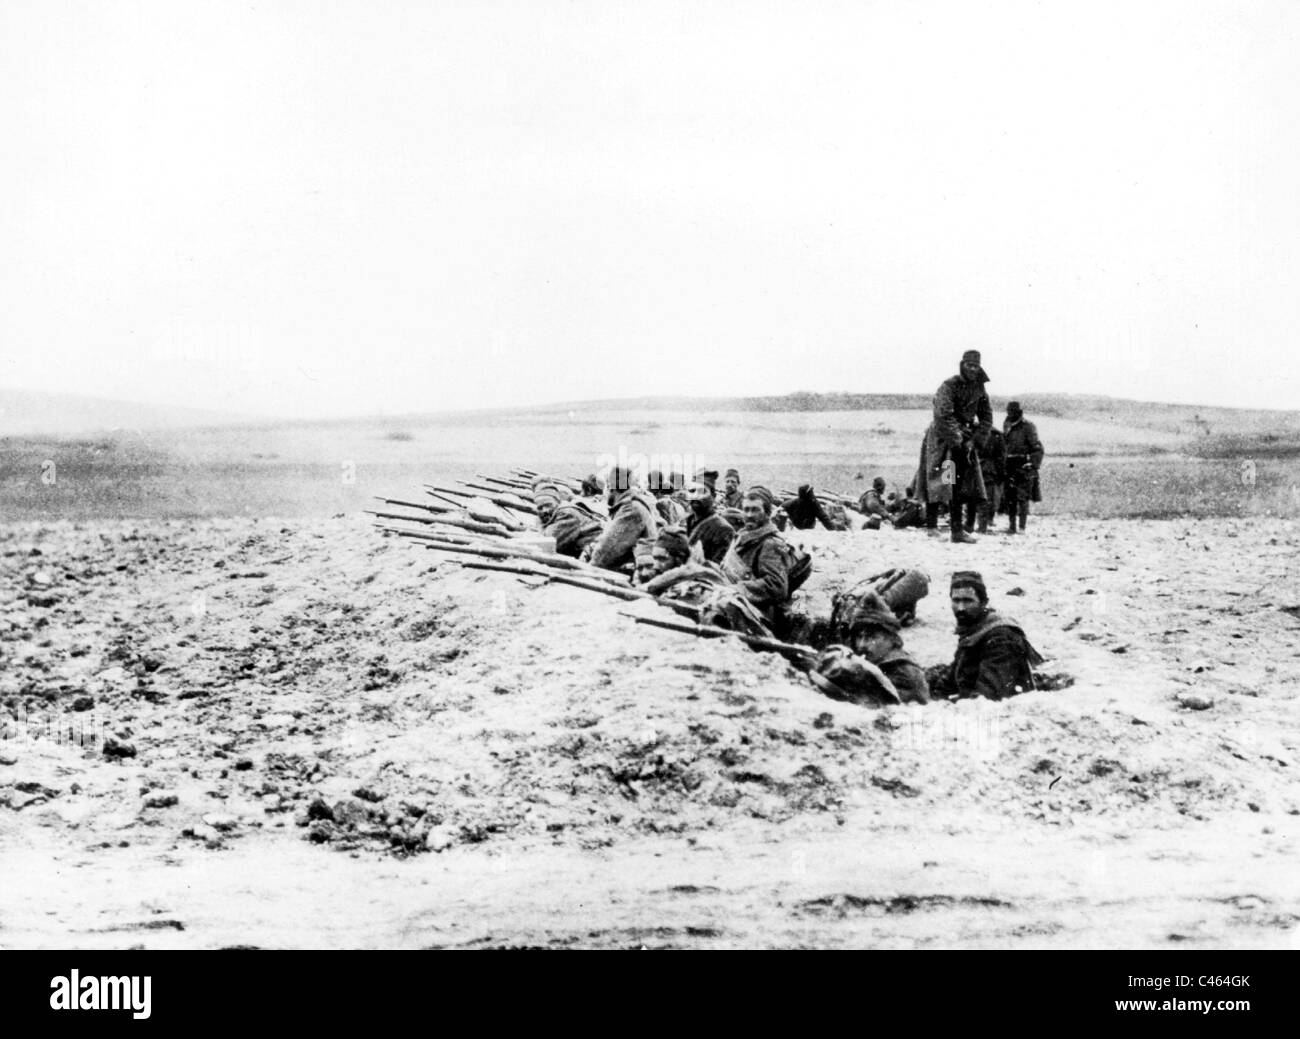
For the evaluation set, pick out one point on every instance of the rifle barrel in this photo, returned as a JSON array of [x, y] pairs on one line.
[[802, 654], [544, 558], [451, 521]]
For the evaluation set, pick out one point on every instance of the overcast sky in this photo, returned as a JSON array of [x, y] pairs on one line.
[[327, 208]]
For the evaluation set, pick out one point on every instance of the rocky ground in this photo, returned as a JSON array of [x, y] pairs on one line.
[[256, 732]]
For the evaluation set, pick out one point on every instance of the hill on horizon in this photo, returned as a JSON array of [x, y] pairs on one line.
[[36, 412]]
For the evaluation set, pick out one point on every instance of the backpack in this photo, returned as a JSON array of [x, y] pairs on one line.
[[798, 565]]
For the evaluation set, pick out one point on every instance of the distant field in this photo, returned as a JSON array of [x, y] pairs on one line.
[[1151, 460]]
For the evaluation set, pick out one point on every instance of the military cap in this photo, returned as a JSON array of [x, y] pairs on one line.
[[969, 579], [548, 492]]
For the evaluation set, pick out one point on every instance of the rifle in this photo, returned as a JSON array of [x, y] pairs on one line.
[[513, 485], [479, 487], [451, 539], [628, 594], [802, 657], [516, 503], [510, 523], [441, 497], [501, 552], [564, 481], [451, 521]]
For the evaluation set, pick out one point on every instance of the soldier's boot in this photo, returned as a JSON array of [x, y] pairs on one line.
[[1024, 514], [983, 521], [1011, 518], [959, 536], [932, 519]]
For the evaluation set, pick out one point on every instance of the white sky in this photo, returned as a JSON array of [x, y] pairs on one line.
[[327, 208]]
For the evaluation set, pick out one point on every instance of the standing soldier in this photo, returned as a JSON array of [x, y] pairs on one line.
[[1024, 458], [948, 471]]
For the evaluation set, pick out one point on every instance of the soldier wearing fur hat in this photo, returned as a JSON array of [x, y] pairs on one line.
[[948, 472], [1024, 459], [679, 576], [704, 527], [994, 659], [573, 523], [644, 562], [872, 632], [708, 477], [632, 516], [671, 550]]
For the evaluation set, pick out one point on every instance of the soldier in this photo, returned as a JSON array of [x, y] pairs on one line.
[[1024, 459], [672, 512], [593, 494], [573, 523], [708, 477], [678, 483], [994, 659], [805, 511], [671, 550], [872, 502], [704, 526], [632, 516], [907, 511], [993, 463], [763, 563], [874, 640], [678, 576], [731, 496], [646, 566], [947, 473]]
